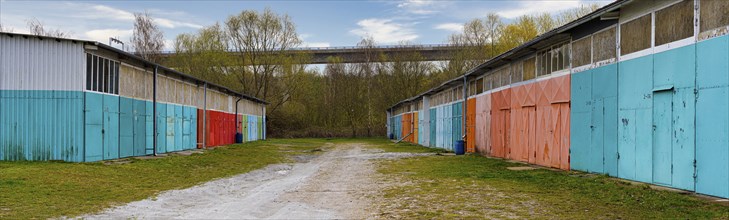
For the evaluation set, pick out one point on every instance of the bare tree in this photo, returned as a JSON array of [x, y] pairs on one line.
[[367, 71], [36, 27], [575, 13], [262, 40], [5, 28], [148, 39]]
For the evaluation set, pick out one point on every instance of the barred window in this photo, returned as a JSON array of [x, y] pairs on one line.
[[553, 59], [102, 75]]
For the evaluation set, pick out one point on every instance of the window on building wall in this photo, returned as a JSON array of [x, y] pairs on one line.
[[472, 88], [675, 22], [495, 79], [505, 76], [529, 68], [489, 83], [89, 67], [479, 86], [516, 72], [553, 59], [102, 75], [582, 51], [635, 35], [713, 14], [603, 45]]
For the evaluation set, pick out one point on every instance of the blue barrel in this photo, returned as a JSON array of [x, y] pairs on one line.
[[459, 149], [238, 138]]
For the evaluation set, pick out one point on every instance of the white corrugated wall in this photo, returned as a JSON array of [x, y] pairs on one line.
[[34, 64]]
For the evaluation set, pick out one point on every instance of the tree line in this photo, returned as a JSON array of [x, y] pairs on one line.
[[342, 99]]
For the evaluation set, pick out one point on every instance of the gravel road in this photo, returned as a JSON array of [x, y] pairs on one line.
[[340, 183]]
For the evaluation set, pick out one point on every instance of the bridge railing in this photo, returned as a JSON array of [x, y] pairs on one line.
[[383, 47]]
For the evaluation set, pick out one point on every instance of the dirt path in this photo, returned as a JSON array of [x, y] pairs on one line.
[[338, 184]]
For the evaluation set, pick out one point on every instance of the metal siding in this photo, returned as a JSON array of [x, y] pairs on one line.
[[635, 114], [140, 127], [500, 123], [594, 120], [186, 128], [30, 63], [471, 125], [126, 127], [149, 125], [610, 134], [193, 128], [676, 68], [457, 123], [422, 127], [245, 125], [179, 144], [447, 127], [94, 122], [169, 134], [41, 125], [583, 149], [662, 154], [259, 120], [433, 127], [483, 124], [251, 128], [255, 127], [161, 132], [712, 117], [111, 127], [439, 127], [605, 89]]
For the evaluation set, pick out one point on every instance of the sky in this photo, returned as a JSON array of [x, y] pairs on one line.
[[318, 23]]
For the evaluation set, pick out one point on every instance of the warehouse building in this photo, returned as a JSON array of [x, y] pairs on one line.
[[82, 101], [637, 90]]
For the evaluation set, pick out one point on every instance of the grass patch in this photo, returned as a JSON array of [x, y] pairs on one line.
[[53, 189], [389, 146], [478, 187]]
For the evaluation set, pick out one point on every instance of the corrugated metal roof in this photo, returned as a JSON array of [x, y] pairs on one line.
[[139, 59], [517, 52]]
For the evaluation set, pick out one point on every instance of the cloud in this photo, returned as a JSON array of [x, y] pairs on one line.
[[316, 44], [174, 24], [454, 27], [102, 35], [103, 11], [169, 45], [419, 7], [384, 30], [532, 7], [110, 13]]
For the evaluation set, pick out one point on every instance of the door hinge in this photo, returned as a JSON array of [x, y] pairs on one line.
[[696, 93], [671, 168], [618, 156]]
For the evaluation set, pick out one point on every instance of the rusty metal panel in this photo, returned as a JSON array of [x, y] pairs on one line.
[[416, 132], [483, 124], [407, 127], [471, 125], [522, 126], [500, 122]]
